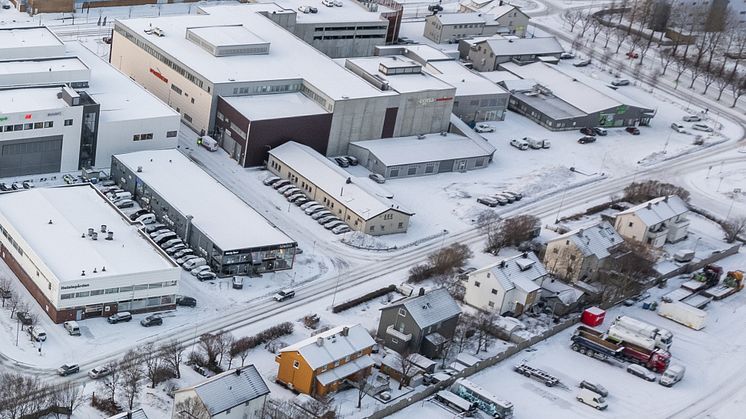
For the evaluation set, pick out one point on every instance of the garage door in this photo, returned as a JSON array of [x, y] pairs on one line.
[[32, 156]]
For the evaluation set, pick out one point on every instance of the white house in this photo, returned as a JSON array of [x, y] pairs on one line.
[[235, 394], [509, 286], [655, 222]]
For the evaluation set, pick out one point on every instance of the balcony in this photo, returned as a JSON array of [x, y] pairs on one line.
[[405, 337]]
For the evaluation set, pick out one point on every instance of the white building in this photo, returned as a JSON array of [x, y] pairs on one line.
[[511, 20], [656, 222], [62, 108], [510, 286], [235, 394], [80, 257]]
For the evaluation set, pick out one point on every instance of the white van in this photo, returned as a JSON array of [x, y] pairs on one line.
[[592, 399], [519, 144], [208, 142], [120, 196], [193, 263], [37, 333], [534, 143], [72, 328], [148, 218], [672, 375]]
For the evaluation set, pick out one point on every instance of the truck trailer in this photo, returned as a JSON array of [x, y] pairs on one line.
[[683, 313], [596, 344], [662, 337]]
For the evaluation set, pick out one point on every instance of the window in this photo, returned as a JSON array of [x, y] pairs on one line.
[[479, 163], [372, 228], [48, 124], [494, 291], [175, 89], [187, 117], [630, 224], [68, 122], [67, 296], [394, 341], [38, 125], [491, 304], [555, 250], [402, 312], [171, 134], [82, 294], [401, 225], [477, 284], [28, 126], [192, 100], [112, 290]]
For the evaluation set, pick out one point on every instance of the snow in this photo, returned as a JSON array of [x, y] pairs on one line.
[[30, 100], [72, 210], [502, 46], [228, 36], [464, 18], [465, 81], [235, 226], [417, 81], [36, 69], [434, 147], [26, 41], [350, 12], [280, 105], [335, 346]]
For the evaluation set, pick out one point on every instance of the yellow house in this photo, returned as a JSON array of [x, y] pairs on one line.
[[320, 364]]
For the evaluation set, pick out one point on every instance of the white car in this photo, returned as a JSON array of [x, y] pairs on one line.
[[620, 82], [702, 127], [692, 118], [341, 229], [199, 269], [375, 177], [328, 3], [678, 128], [99, 372], [642, 372], [482, 127]]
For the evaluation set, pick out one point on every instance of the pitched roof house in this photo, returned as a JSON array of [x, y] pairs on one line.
[[655, 222], [579, 254], [422, 323]]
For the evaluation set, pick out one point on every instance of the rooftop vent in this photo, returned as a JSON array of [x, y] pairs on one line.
[[50, 222], [345, 331], [319, 341], [139, 169], [94, 236], [103, 228], [90, 231], [110, 235], [524, 264]]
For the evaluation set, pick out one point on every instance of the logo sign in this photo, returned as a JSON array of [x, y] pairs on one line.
[[72, 287], [28, 116], [428, 100], [3, 118], [159, 75], [54, 113]]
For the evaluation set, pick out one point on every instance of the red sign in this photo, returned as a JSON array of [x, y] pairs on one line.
[[443, 99], [159, 75], [28, 116]]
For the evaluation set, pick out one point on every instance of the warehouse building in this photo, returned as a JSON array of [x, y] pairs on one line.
[[63, 109], [423, 155], [560, 101], [192, 61], [215, 223], [486, 54], [347, 198], [80, 257]]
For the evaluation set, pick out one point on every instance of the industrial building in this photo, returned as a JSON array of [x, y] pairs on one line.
[[218, 225], [559, 101], [511, 20], [80, 257], [192, 61], [347, 198], [452, 27], [63, 109], [423, 155], [486, 54]]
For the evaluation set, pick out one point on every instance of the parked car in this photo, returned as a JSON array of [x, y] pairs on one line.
[[16, 186], [28, 184], [375, 177], [72, 327], [516, 195], [237, 283], [296, 196], [633, 130], [292, 191], [678, 127], [353, 160], [328, 3], [490, 202], [592, 399], [505, 196], [519, 144], [702, 127], [176, 248], [185, 301], [183, 252], [587, 139], [620, 82], [5, 187], [270, 180], [567, 55], [123, 316], [482, 127], [313, 209], [587, 131], [313, 9], [193, 263], [308, 204], [640, 371], [600, 131], [153, 320], [672, 375], [500, 199], [300, 201], [124, 203], [182, 260], [106, 39], [583, 63], [138, 213], [285, 188], [325, 219], [632, 55], [304, 9], [341, 229], [158, 232], [283, 295], [280, 183], [199, 269], [333, 223], [99, 372], [68, 369], [691, 118], [151, 228], [37, 333], [24, 317], [342, 162], [318, 214], [594, 387]]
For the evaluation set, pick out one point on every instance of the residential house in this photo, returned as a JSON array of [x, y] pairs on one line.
[[578, 255], [234, 394], [486, 54], [321, 364], [510, 286], [131, 414], [561, 298], [510, 19], [656, 222], [451, 27], [420, 324]]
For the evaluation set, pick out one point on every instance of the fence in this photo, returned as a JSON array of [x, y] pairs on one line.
[[694, 266], [489, 362]]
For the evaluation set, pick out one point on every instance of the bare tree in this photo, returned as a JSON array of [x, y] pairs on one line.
[[224, 342], [132, 374], [596, 28], [69, 396], [364, 386], [708, 77], [722, 81], [13, 302], [572, 17], [240, 348], [406, 367], [483, 324], [5, 291], [608, 31], [511, 232], [733, 227], [586, 22], [153, 362], [448, 259], [737, 88], [680, 65], [212, 346], [172, 354], [111, 383], [620, 36], [191, 408]]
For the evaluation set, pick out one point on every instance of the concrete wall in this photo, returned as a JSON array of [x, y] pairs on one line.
[[117, 137], [477, 108], [336, 42], [424, 112]]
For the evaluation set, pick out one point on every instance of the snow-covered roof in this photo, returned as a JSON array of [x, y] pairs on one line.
[[335, 345], [466, 82], [30, 100], [289, 58], [417, 81], [419, 52], [350, 12], [574, 89], [658, 210], [498, 76], [519, 271], [133, 414], [566, 293], [333, 180], [219, 214], [72, 210], [497, 8], [230, 389], [27, 42], [42, 71], [345, 370], [273, 106], [501, 46], [596, 240], [434, 147], [463, 18], [426, 310]]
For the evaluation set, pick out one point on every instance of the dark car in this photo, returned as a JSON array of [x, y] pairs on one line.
[[151, 321], [587, 139], [313, 9], [633, 130], [138, 213], [4, 187], [122, 316], [587, 131], [342, 162], [106, 39], [68, 369], [25, 318], [185, 301]]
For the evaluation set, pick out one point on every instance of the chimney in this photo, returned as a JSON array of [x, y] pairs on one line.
[[50, 222], [665, 199], [139, 169], [103, 269], [103, 228], [319, 341], [345, 331], [649, 205], [525, 255], [82, 274], [422, 292], [109, 235], [502, 264], [238, 371]]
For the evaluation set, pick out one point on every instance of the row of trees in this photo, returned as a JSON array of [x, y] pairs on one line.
[[25, 396]]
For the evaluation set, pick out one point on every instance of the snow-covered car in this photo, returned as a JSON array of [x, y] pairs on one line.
[[620, 82], [68, 369], [338, 3], [678, 128], [502, 200], [482, 127], [292, 191], [516, 195], [325, 219], [353, 160], [184, 259], [633, 130], [691, 118], [702, 127], [124, 203], [199, 269], [519, 144], [308, 204], [206, 275], [583, 63], [341, 229], [152, 320], [567, 56], [319, 214], [594, 387], [642, 372], [342, 161], [283, 295], [300, 201], [485, 200], [328, 3], [600, 131], [313, 208], [280, 183], [270, 180], [375, 177], [284, 188], [333, 223], [99, 372]]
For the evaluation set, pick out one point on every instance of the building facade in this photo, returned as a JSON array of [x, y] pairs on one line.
[[452, 27], [581, 254], [488, 54], [510, 19], [656, 222]]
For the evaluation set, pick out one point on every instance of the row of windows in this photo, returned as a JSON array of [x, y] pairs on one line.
[[142, 137], [383, 227], [349, 28], [33, 125], [10, 239], [32, 147], [267, 89], [374, 36], [314, 96], [129, 288]]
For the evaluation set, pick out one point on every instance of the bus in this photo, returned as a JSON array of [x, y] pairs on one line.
[[482, 399], [456, 403]]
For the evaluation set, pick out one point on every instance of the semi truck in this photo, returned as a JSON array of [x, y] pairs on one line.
[[622, 334], [596, 344], [662, 337], [683, 313]]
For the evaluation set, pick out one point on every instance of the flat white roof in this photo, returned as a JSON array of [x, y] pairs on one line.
[[332, 180], [31, 68], [272, 106], [30, 100], [227, 35], [465, 81], [72, 210], [434, 147], [27, 37], [502, 46], [350, 12], [230, 222], [402, 83], [289, 57]]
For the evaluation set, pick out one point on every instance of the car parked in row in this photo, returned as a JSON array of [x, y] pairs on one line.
[[678, 128], [702, 127], [342, 161], [375, 177], [68, 369], [482, 127], [583, 63], [691, 118], [185, 301], [587, 139], [490, 202], [152, 320], [341, 229], [519, 144], [99, 372], [641, 372], [122, 316], [633, 130]]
